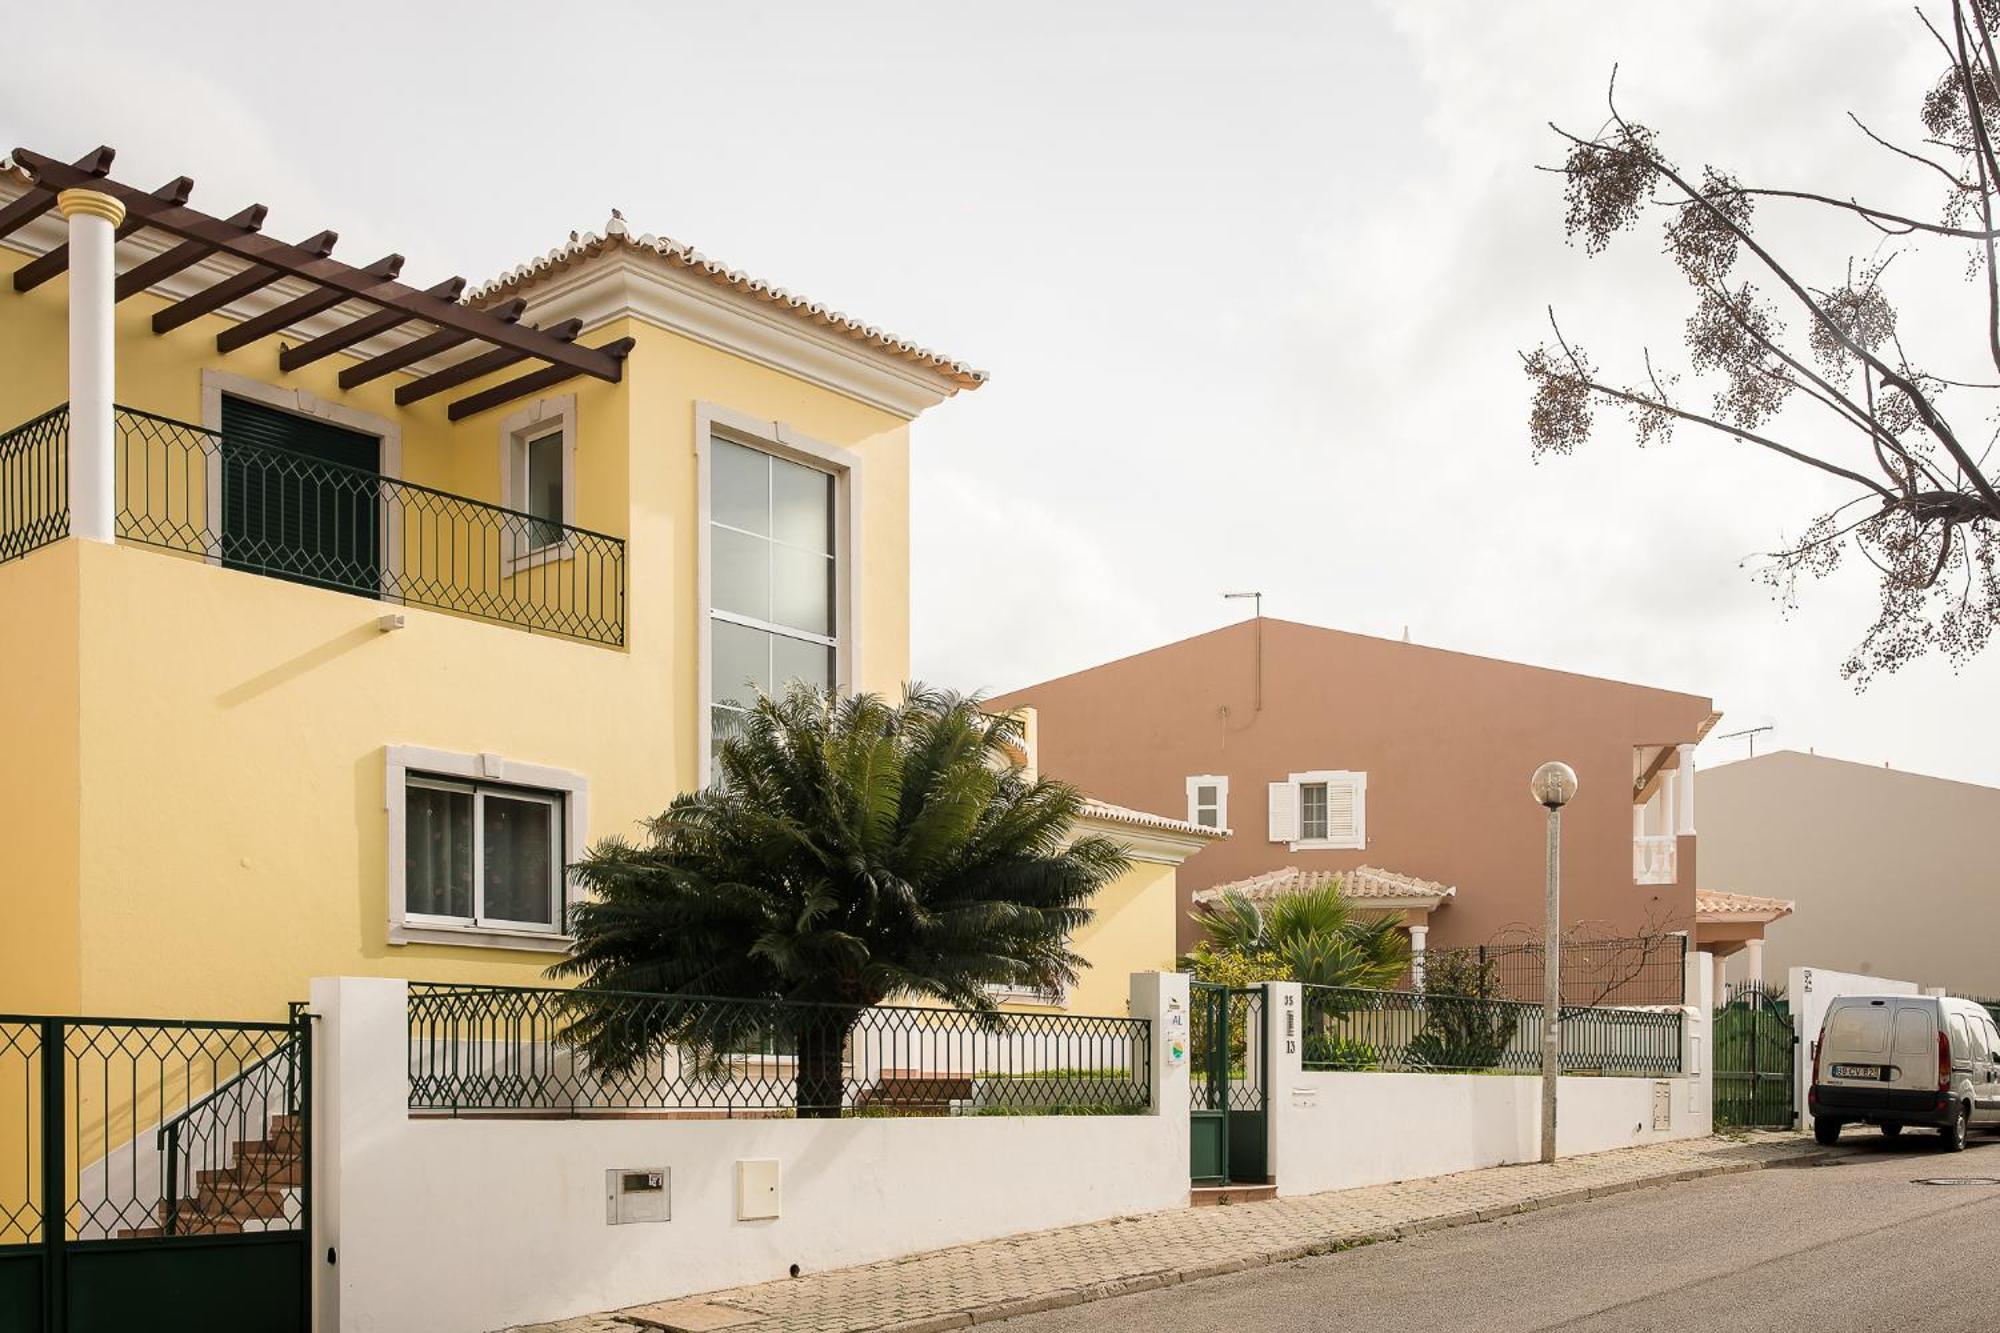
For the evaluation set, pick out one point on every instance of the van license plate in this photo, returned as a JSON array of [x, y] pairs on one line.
[[1858, 1071]]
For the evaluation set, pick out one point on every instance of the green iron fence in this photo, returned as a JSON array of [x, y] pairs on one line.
[[476, 1049], [1347, 1028], [154, 1173], [272, 511], [1755, 1058], [34, 484]]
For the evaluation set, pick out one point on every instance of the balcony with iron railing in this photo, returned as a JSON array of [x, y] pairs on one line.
[[266, 510]]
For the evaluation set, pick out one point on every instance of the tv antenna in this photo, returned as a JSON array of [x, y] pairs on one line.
[[1749, 733]]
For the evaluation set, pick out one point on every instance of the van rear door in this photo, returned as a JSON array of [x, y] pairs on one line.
[[1858, 1045], [1915, 1057]]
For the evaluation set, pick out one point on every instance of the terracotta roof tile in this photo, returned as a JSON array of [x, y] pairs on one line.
[[1119, 814], [1360, 885], [1713, 904], [588, 245]]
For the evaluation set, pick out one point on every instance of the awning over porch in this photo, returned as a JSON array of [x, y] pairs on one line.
[[1368, 886]]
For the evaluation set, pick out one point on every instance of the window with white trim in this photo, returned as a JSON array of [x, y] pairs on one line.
[[773, 579], [1320, 811], [479, 854], [1208, 800], [538, 461]]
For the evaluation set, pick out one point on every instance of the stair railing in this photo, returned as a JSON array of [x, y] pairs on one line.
[[216, 1105]]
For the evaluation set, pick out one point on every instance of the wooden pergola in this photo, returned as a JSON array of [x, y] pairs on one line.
[[494, 338]]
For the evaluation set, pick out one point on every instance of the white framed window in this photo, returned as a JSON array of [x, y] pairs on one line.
[[479, 848], [779, 564], [1208, 800], [1324, 810], [538, 480]]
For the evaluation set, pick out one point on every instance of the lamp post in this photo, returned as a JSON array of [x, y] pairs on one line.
[[1553, 785]]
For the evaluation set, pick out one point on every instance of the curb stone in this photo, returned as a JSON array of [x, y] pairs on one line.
[[1274, 1258]]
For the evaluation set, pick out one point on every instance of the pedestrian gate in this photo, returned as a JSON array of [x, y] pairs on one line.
[[1755, 1055], [1228, 1050], [154, 1175]]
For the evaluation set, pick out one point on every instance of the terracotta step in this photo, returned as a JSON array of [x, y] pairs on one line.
[[191, 1222], [1208, 1195], [256, 1169], [239, 1201]]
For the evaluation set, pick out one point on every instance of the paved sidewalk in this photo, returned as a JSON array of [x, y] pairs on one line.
[[976, 1284]]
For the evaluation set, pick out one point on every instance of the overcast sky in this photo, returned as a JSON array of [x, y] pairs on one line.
[[1250, 284]]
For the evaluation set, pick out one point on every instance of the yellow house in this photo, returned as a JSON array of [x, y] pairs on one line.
[[341, 611]]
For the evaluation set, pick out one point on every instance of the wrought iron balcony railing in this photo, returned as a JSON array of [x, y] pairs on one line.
[[288, 515]]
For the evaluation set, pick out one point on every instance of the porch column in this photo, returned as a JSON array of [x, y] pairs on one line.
[[93, 276], [1418, 934], [1684, 793], [1721, 966], [1754, 955]]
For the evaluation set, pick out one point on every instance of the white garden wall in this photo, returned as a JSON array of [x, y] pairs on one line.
[[1339, 1130], [1336, 1131], [460, 1226]]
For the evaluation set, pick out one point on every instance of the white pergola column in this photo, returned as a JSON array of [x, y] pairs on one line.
[[1418, 934], [93, 278], [1753, 951], [1684, 793], [1721, 967]]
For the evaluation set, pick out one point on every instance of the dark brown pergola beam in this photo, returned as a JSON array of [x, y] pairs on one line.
[[40, 269], [89, 169], [360, 330], [263, 250], [1640, 790], [255, 278], [418, 349], [474, 367], [298, 308], [523, 385], [185, 255]]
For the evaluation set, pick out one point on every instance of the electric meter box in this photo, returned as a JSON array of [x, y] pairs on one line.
[[636, 1195]]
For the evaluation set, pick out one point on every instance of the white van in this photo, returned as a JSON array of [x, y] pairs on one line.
[[1896, 1060]]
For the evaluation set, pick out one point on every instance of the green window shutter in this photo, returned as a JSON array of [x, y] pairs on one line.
[[300, 498]]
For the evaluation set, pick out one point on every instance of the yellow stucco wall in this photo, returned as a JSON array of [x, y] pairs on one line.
[[1133, 931], [39, 783], [202, 824]]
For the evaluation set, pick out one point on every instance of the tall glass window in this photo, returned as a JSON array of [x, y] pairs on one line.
[[772, 579]]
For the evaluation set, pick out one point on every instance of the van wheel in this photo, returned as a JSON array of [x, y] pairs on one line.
[[1953, 1135], [1890, 1131], [1826, 1132]]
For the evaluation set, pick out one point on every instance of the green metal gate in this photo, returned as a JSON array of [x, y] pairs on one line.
[[1755, 1059], [154, 1175], [1228, 1049]]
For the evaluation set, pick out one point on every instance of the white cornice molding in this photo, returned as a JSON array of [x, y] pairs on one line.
[[624, 283], [1157, 846]]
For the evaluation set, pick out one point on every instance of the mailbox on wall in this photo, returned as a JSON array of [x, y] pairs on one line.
[[636, 1195]]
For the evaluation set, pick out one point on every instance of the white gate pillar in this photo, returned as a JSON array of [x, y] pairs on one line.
[[93, 278]]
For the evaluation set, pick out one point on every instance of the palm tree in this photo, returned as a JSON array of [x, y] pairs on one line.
[[1313, 935], [851, 851]]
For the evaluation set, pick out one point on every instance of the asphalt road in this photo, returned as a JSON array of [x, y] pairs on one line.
[[1855, 1247]]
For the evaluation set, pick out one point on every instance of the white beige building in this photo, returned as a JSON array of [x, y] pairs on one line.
[[1894, 874]]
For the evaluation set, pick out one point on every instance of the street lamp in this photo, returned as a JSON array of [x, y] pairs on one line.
[[1553, 786]]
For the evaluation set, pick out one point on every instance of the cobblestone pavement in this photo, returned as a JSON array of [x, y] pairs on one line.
[[976, 1284]]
